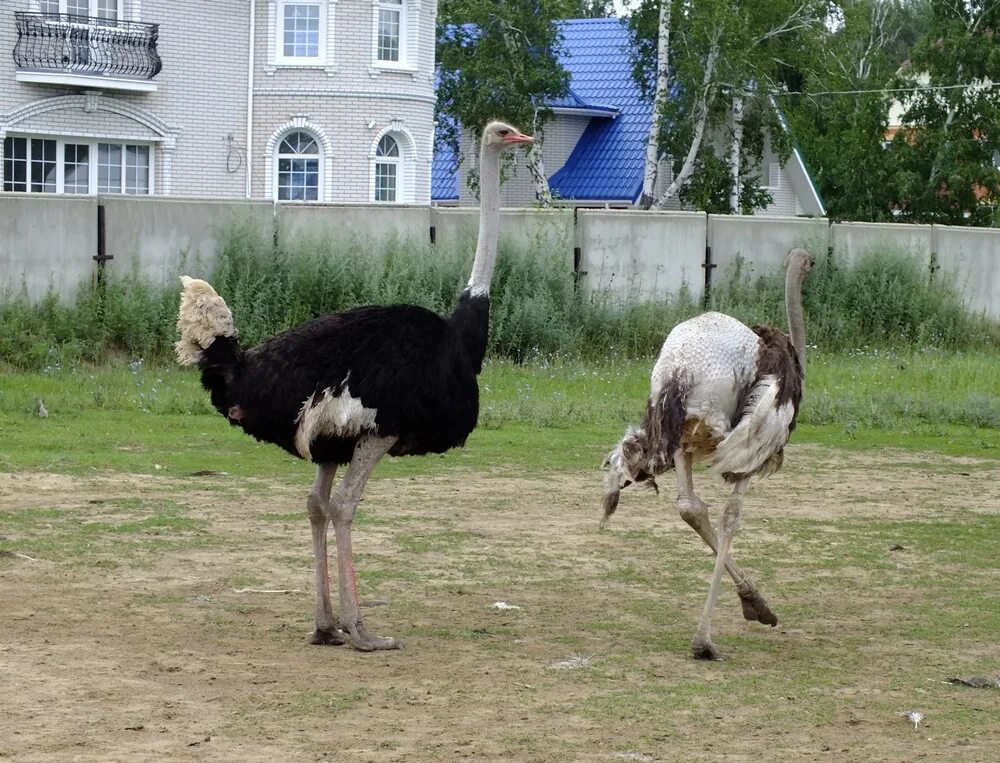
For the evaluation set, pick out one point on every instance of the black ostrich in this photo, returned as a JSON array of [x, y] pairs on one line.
[[351, 387]]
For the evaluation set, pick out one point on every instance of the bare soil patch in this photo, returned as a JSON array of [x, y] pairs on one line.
[[168, 617]]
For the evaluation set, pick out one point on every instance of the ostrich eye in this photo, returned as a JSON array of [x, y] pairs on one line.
[[504, 132]]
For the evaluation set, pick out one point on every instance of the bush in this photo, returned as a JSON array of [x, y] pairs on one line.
[[884, 300]]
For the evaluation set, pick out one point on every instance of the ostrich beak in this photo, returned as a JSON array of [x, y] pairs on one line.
[[518, 137]]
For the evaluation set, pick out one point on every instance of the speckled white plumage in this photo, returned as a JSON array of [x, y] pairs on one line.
[[714, 356]]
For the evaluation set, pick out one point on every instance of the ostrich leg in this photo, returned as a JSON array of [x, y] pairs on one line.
[[702, 646], [319, 497], [694, 511], [345, 500]]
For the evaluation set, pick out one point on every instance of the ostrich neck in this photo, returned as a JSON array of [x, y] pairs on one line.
[[489, 222], [793, 306]]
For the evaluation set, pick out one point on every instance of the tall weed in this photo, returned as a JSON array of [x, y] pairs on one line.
[[884, 299]]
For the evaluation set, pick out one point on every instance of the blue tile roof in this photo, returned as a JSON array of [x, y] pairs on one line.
[[607, 163], [444, 171]]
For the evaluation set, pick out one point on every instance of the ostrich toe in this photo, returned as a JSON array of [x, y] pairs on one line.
[[755, 608], [328, 636], [364, 641], [706, 650]]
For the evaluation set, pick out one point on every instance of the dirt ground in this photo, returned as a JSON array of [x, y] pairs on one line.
[[167, 618]]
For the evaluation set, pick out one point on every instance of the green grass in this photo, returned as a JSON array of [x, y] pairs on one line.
[[543, 416]]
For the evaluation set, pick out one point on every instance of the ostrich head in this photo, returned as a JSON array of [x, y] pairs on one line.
[[798, 263], [628, 462], [499, 136]]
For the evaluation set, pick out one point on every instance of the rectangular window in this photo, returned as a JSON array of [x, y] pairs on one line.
[[109, 168], [298, 179], [137, 169], [301, 30], [107, 9], [43, 166], [15, 164], [102, 9], [53, 165], [76, 168], [389, 23], [385, 181]]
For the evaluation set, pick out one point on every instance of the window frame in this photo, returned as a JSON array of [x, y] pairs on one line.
[[92, 164], [319, 157], [93, 10], [396, 162], [276, 59], [409, 16], [278, 37]]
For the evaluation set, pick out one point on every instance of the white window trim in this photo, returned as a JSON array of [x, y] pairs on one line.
[[299, 123], [276, 59], [409, 26], [92, 154], [92, 7], [406, 173]]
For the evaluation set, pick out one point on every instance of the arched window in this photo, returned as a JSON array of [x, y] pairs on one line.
[[298, 168], [387, 174]]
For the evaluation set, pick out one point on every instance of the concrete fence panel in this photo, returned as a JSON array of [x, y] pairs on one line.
[[629, 254], [972, 257], [761, 243], [46, 242], [367, 223], [157, 238], [851, 240], [548, 230]]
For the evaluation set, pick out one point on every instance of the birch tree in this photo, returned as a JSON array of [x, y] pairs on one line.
[[499, 60], [723, 60]]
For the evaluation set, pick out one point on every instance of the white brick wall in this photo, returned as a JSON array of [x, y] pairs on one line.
[[200, 105]]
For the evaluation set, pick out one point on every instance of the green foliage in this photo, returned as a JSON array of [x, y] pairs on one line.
[[940, 167], [497, 60], [946, 156], [885, 299], [721, 54]]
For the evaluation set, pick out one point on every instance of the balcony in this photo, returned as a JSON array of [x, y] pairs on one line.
[[66, 49]]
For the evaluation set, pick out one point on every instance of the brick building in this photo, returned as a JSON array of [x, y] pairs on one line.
[[298, 100]]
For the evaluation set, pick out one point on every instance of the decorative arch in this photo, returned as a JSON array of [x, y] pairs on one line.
[[407, 189], [91, 101], [299, 123]]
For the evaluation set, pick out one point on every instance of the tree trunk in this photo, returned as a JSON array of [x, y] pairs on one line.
[[659, 101], [735, 150], [536, 166], [701, 109]]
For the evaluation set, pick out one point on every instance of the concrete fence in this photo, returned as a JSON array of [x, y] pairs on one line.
[[48, 243]]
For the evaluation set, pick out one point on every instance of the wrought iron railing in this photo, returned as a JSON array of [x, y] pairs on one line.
[[87, 45]]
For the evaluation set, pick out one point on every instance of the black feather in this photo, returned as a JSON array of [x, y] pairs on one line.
[[777, 357], [415, 368]]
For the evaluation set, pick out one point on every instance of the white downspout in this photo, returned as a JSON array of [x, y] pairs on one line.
[[250, 66]]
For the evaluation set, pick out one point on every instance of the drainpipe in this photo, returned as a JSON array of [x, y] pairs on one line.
[[250, 65]]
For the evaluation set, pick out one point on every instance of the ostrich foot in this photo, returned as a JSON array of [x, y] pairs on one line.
[[364, 641], [755, 608], [331, 636], [703, 649]]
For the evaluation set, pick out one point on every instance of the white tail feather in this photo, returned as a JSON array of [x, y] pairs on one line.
[[202, 317], [761, 433]]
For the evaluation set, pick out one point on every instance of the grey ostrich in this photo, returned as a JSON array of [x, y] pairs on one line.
[[727, 394]]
